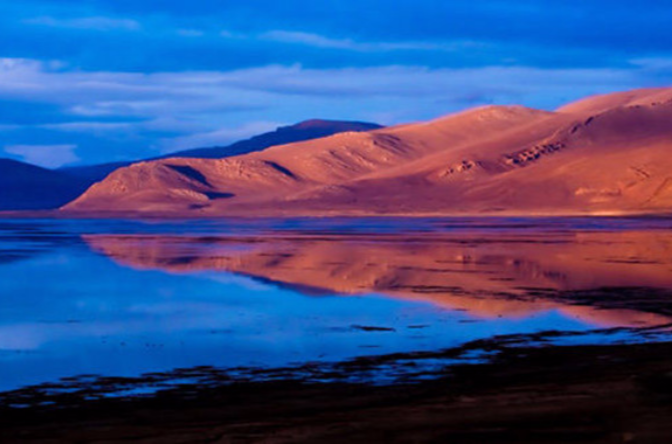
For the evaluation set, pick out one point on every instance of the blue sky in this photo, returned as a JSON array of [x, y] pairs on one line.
[[90, 81]]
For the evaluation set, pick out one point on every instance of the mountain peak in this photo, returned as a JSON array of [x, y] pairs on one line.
[[603, 102], [333, 124]]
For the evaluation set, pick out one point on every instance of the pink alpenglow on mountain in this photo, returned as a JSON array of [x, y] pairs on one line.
[[608, 154]]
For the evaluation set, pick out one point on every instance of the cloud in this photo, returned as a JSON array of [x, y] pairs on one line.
[[137, 114], [224, 136], [190, 33], [89, 127], [320, 41], [119, 93], [216, 93], [499, 83], [91, 23], [134, 77], [309, 39], [48, 156], [593, 33], [659, 65], [233, 35], [324, 42]]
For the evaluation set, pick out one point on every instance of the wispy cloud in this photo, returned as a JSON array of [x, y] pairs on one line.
[[175, 110], [233, 35], [151, 95], [325, 42], [190, 33], [89, 127], [220, 137], [500, 83], [48, 156], [97, 23], [321, 41]]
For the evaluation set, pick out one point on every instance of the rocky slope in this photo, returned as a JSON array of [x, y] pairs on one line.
[[306, 130]]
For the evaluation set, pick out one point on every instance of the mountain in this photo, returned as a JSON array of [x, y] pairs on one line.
[[609, 154], [306, 130], [29, 187], [309, 129], [94, 173]]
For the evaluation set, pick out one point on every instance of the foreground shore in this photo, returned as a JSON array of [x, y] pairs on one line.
[[595, 394]]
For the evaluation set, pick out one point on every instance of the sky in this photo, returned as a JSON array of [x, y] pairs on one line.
[[88, 81]]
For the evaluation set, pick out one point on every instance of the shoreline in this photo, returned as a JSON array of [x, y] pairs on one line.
[[523, 393], [284, 215]]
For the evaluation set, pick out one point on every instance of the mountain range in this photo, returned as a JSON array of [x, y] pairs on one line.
[[29, 187], [608, 154]]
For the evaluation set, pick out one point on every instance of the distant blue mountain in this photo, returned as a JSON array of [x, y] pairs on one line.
[[28, 187]]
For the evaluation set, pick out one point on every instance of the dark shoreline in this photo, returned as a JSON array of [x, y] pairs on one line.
[[56, 214], [596, 394]]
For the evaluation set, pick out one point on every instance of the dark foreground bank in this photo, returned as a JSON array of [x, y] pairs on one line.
[[587, 394]]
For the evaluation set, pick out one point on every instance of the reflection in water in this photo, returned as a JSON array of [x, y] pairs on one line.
[[489, 275], [124, 298]]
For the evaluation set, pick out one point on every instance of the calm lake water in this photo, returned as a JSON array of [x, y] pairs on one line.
[[125, 298]]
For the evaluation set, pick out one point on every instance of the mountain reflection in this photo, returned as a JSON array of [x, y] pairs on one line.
[[608, 278]]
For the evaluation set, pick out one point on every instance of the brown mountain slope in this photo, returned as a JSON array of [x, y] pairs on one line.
[[616, 161], [306, 130], [604, 102], [608, 154]]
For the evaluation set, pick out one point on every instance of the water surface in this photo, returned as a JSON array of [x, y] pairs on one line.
[[124, 298]]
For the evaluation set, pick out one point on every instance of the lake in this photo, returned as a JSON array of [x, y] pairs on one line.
[[125, 298]]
